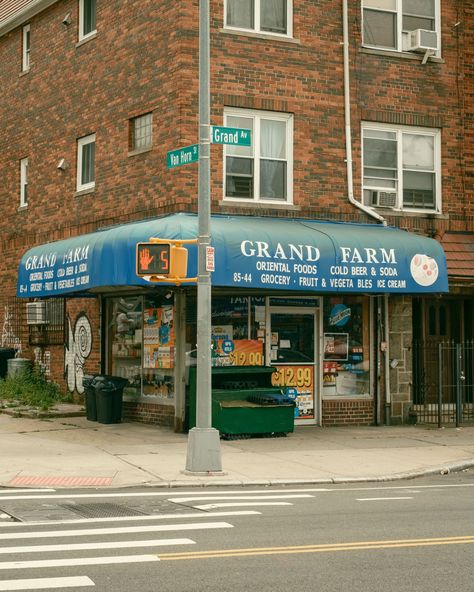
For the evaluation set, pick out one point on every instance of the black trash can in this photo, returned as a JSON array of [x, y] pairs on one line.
[[90, 396], [109, 396], [6, 353]]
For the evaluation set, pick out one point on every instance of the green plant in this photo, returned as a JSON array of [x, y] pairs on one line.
[[32, 389]]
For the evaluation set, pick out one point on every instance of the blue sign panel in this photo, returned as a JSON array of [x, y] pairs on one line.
[[318, 257], [305, 256]]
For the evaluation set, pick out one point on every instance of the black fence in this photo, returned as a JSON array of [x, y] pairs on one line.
[[443, 382], [25, 324]]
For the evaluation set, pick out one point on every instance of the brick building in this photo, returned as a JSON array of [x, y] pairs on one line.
[[361, 118]]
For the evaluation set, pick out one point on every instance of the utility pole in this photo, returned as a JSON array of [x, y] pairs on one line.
[[204, 453]]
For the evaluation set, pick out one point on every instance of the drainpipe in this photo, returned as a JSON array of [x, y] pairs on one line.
[[347, 117], [388, 395], [358, 204]]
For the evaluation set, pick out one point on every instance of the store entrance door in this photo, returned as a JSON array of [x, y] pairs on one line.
[[291, 347]]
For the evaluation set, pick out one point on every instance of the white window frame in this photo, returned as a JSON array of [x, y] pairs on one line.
[[402, 35], [256, 28], [83, 35], [257, 116], [81, 143], [25, 48], [23, 182], [399, 130]]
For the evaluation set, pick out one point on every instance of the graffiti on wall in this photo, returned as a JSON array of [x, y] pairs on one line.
[[76, 351], [9, 339], [43, 361]]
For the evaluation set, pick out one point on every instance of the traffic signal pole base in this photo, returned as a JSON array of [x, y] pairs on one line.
[[204, 452]]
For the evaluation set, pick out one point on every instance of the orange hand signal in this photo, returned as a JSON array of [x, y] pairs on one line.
[[145, 258]]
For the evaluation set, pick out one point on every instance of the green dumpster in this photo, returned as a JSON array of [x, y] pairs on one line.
[[236, 410]]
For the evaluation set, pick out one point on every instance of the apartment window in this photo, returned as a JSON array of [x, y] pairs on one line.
[[23, 182], [387, 23], [86, 163], [264, 170], [87, 18], [262, 16], [141, 132], [25, 59], [401, 167]]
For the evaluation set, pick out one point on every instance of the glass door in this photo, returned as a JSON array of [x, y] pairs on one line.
[[291, 348]]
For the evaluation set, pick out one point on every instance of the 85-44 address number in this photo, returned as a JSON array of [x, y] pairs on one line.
[[242, 277]]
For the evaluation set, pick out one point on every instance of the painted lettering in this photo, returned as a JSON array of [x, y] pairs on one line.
[[262, 250], [368, 255]]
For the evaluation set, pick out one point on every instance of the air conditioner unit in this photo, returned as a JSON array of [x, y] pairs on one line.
[[36, 313], [384, 199], [422, 40]]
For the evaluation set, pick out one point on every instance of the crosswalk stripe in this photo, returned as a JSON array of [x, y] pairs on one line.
[[182, 500], [43, 583], [239, 504], [381, 499], [40, 563], [155, 494], [193, 515], [121, 530], [91, 546]]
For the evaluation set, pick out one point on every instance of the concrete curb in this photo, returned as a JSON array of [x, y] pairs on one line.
[[199, 482]]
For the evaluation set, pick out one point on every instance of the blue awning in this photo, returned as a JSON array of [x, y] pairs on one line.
[[250, 252]]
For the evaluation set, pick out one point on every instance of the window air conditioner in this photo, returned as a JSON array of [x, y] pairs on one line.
[[36, 313], [422, 40], [384, 199]]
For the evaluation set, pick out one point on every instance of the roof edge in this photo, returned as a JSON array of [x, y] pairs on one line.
[[23, 14]]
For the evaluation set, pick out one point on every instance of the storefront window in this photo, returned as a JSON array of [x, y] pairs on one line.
[[125, 340], [141, 344], [158, 348], [237, 331], [346, 347]]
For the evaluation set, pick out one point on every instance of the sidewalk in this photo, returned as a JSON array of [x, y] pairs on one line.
[[74, 452]]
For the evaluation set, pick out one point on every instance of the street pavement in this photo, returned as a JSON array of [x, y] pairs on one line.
[[70, 451]]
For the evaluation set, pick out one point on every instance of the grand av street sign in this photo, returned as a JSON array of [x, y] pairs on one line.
[[230, 135], [185, 155], [219, 135]]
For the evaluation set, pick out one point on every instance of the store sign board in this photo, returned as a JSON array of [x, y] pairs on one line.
[[319, 265], [304, 256]]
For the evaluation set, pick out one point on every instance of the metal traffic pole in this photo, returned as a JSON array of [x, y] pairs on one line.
[[204, 453]]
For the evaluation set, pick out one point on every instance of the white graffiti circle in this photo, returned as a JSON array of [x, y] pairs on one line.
[[83, 336], [76, 351]]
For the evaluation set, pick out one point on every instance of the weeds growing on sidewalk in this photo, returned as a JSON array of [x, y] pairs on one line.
[[31, 389]]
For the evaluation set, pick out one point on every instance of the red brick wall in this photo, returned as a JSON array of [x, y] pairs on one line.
[[162, 415], [140, 61], [339, 413]]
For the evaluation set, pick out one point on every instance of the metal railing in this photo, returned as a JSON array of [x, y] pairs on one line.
[[443, 381]]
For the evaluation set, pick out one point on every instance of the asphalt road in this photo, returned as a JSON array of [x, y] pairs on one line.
[[414, 535]]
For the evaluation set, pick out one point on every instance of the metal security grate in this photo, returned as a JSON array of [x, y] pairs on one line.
[[443, 382], [102, 510]]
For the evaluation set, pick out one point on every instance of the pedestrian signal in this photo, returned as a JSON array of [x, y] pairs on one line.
[[164, 260]]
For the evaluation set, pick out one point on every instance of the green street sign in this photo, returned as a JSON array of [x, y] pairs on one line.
[[230, 135], [185, 155]]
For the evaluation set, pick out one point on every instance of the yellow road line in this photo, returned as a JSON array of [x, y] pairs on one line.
[[326, 548]]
